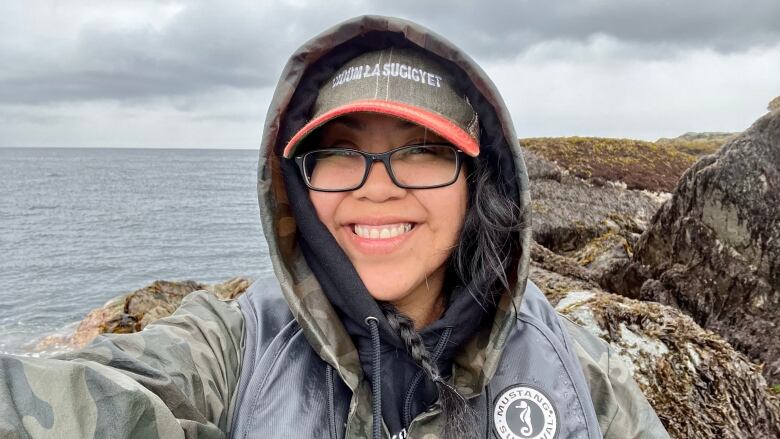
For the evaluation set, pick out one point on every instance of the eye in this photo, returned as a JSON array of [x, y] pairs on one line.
[[425, 153], [431, 147], [419, 150], [336, 152]]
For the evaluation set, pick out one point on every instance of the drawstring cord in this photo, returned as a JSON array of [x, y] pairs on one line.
[[376, 381]]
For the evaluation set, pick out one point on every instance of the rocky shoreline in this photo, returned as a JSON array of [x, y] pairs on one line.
[[133, 311], [705, 262], [670, 253]]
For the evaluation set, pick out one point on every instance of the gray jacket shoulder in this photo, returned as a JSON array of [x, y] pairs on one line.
[[265, 311]]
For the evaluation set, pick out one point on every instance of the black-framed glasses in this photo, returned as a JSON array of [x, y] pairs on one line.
[[411, 167]]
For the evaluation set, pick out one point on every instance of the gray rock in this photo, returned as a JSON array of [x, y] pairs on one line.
[[133, 311], [774, 104], [540, 168], [713, 249], [594, 226], [571, 212]]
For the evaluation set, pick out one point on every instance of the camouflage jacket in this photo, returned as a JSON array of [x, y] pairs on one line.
[[208, 370]]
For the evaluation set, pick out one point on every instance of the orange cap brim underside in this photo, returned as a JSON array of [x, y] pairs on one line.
[[433, 121]]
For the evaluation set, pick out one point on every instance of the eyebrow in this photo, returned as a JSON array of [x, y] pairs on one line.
[[355, 124]]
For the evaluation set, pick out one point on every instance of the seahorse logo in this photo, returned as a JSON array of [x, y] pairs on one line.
[[524, 412], [525, 418]]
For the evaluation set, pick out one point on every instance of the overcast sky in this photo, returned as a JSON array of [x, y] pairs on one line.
[[200, 74]]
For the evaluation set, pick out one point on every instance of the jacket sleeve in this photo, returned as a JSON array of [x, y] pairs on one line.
[[621, 407], [174, 379]]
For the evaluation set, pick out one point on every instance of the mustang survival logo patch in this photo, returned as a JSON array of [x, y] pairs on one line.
[[524, 412]]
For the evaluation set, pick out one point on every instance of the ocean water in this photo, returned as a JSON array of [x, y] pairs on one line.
[[81, 226]]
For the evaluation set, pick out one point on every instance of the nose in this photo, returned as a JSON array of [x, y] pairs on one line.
[[378, 186]]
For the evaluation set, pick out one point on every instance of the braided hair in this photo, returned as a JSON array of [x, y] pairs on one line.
[[483, 260]]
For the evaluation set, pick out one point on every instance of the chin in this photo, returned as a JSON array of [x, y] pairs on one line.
[[385, 294], [386, 291], [386, 281]]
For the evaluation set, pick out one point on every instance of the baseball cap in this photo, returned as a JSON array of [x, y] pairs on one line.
[[400, 82]]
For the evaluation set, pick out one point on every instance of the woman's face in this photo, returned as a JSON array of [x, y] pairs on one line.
[[408, 269]]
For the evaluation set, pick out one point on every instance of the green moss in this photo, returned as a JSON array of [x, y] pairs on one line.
[[775, 389]]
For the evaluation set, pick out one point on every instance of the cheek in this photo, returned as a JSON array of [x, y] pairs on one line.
[[326, 204], [447, 210]]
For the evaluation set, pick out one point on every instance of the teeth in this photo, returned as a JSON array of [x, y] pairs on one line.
[[381, 232]]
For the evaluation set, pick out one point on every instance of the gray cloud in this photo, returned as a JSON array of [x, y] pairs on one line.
[[198, 50], [509, 27], [210, 44], [165, 64]]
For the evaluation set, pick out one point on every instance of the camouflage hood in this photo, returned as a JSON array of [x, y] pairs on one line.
[[289, 110]]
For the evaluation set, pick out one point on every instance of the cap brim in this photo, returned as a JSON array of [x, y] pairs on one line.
[[433, 121]]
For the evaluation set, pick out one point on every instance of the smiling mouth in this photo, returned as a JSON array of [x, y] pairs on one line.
[[385, 231]]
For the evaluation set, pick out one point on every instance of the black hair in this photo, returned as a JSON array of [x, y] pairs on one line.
[[487, 254], [485, 261]]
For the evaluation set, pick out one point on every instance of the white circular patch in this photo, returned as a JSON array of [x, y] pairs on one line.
[[522, 412]]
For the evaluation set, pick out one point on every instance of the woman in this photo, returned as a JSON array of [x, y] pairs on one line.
[[395, 203]]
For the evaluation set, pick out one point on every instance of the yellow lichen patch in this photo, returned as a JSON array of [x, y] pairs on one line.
[[619, 227], [538, 206], [597, 247]]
